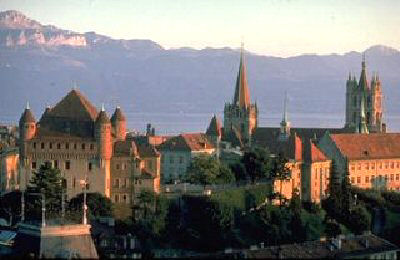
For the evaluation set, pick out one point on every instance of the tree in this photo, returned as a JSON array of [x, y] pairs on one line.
[[359, 219], [146, 199], [10, 205], [280, 171], [46, 180], [239, 172], [206, 170], [256, 163], [98, 205]]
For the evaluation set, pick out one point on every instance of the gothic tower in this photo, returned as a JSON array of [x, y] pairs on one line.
[[118, 123], [240, 116], [285, 124], [366, 97]]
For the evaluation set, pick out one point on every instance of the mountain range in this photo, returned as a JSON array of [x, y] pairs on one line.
[[176, 89]]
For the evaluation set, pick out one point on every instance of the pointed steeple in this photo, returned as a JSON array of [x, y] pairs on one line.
[[214, 129], [363, 83], [285, 124], [242, 95]]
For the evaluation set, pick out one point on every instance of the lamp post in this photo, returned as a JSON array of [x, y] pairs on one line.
[[43, 208], [84, 218], [22, 206]]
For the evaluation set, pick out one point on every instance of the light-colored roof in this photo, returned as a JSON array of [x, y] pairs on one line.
[[187, 142]]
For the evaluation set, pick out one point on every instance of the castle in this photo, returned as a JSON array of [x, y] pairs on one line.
[[85, 144]]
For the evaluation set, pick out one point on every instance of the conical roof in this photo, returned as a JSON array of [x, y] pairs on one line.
[[74, 106], [242, 95], [118, 115], [214, 129], [27, 116], [102, 118]]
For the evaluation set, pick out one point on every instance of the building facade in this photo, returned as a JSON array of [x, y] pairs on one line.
[[370, 160], [177, 153], [364, 99]]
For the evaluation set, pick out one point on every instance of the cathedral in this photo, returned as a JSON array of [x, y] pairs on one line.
[[240, 116], [364, 103]]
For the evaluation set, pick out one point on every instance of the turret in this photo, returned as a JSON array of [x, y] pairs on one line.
[[27, 129], [285, 124], [103, 135], [118, 123]]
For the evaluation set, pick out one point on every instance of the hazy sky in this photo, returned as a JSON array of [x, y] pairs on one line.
[[270, 27]]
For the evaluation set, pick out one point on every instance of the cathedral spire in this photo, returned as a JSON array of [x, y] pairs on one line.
[[242, 96], [285, 124], [363, 83]]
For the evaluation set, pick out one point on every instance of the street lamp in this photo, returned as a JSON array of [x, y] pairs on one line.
[[83, 184]]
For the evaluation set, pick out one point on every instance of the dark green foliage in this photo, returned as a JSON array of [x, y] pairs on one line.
[[332, 229], [359, 219], [98, 205], [257, 163], [206, 170], [47, 180], [239, 172], [10, 206]]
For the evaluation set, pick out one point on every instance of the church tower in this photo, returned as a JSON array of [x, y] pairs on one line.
[[240, 116], [27, 129], [285, 124], [363, 97]]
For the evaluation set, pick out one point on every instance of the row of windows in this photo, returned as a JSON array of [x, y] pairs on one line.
[[371, 166], [67, 165], [121, 183], [121, 198], [121, 166], [372, 178], [62, 145]]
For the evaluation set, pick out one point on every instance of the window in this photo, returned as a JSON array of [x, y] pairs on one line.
[[75, 146], [74, 182], [34, 145], [366, 179], [124, 198], [397, 177], [116, 198], [42, 145], [358, 179], [380, 165], [386, 165], [392, 165], [352, 180], [55, 164], [58, 146], [117, 166], [51, 145], [67, 165], [33, 165], [359, 166], [116, 183], [90, 166], [367, 166], [352, 167], [91, 146], [372, 166], [83, 146], [392, 177], [67, 146]]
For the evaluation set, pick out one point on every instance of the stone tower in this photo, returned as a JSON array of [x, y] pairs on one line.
[[104, 142], [371, 97], [240, 116], [118, 123], [27, 129]]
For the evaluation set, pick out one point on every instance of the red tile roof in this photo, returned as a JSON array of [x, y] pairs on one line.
[[363, 146], [187, 142]]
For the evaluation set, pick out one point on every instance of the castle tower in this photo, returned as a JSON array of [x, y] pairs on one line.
[[103, 135], [240, 116], [371, 94], [118, 123], [27, 130], [285, 124]]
